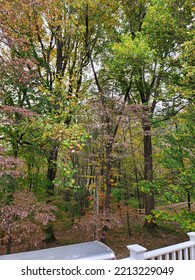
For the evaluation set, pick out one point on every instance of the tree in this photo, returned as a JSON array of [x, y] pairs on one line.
[[47, 38], [102, 78], [143, 65], [21, 220], [11, 166]]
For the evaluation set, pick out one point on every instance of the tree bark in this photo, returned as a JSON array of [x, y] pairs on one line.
[[148, 171], [108, 189], [108, 173], [52, 169]]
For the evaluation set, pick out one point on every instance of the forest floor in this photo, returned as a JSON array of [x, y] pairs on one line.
[[118, 237]]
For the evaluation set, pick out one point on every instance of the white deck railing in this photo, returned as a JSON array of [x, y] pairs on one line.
[[181, 251]]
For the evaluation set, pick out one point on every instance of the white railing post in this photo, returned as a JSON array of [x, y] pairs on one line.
[[192, 249], [136, 252], [192, 236]]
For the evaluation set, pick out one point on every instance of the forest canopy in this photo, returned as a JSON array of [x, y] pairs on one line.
[[96, 112]]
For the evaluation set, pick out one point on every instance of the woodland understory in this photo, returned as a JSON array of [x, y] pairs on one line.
[[97, 118]]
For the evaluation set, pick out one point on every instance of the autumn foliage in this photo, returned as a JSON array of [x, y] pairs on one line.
[[23, 219], [96, 108]]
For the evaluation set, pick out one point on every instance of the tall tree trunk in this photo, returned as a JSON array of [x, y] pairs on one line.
[[51, 175], [52, 168], [108, 189], [148, 171], [108, 173]]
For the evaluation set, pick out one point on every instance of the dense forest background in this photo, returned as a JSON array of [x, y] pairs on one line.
[[96, 116]]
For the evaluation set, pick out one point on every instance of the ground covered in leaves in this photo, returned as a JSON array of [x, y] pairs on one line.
[[118, 237]]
